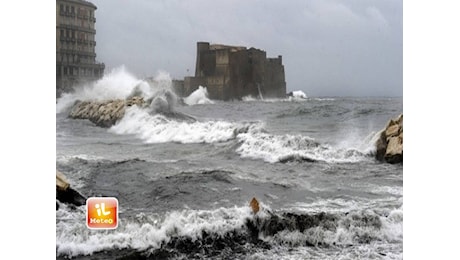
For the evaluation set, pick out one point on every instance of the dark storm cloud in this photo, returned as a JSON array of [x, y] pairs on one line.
[[329, 47]]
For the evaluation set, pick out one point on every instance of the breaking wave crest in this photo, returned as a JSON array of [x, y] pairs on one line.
[[299, 94], [207, 232], [158, 128], [254, 141], [119, 84], [198, 97], [286, 148]]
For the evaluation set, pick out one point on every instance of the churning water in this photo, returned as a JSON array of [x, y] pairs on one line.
[[184, 185]]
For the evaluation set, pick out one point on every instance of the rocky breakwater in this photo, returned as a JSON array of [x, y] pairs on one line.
[[104, 113], [390, 143]]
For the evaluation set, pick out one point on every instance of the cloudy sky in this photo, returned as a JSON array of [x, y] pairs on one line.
[[329, 47]]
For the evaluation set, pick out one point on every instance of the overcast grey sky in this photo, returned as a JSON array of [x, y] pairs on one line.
[[329, 47]]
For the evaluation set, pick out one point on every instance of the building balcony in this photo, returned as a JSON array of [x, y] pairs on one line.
[[77, 28], [66, 39], [67, 14], [78, 64], [82, 16], [83, 41], [76, 52]]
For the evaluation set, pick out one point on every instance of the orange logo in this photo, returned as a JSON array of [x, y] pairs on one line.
[[102, 213]]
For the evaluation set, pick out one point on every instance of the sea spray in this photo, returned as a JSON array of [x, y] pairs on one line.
[[299, 94], [356, 208], [198, 97], [159, 128], [286, 148], [119, 83], [144, 231], [202, 231], [249, 98], [255, 142]]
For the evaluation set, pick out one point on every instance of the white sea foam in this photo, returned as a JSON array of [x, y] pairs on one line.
[[147, 231], [324, 99], [254, 142], [275, 148], [161, 129], [299, 94], [351, 229], [86, 157], [249, 98], [339, 205], [117, 84], [198, 97]]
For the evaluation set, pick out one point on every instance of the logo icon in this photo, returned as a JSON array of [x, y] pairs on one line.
[[102, 213]]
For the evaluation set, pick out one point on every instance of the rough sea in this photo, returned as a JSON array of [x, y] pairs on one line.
[[184, 185]]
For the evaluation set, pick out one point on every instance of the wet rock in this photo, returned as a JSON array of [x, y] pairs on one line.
[[104, 113], [61, 181], [390, 143], [70, 196], [254, 205], [66, 194]]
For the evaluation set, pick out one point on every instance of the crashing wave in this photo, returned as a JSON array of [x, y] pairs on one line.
[[198, 97], [254, 141], [161, 129], [207, 232], [288, 148], [120, 84], [299, 94]]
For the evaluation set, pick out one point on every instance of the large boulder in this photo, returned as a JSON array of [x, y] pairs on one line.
[[104, 113], [66, 194], [390, 143]]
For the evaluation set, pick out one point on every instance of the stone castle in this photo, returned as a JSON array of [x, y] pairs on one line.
[[233, 72], [228, 72]]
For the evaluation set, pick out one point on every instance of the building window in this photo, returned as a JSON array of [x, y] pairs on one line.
[[66, 8], [62, 33], [73, 34], [73, 10], [62, 8], [65, 71]]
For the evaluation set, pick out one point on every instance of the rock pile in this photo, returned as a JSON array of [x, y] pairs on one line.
[[104, 113], [390, 144]]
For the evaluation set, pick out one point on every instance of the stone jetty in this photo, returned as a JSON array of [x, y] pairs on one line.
[[104, 113]]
